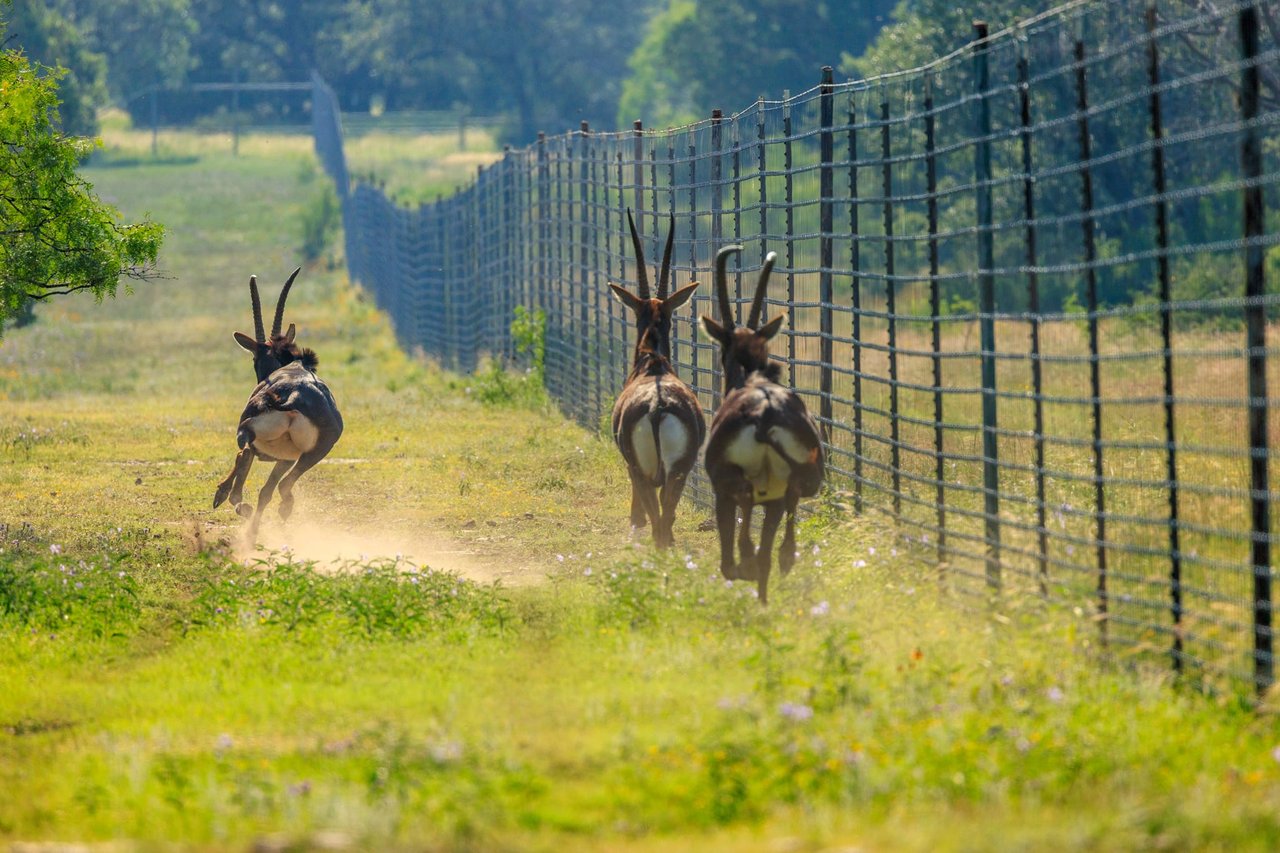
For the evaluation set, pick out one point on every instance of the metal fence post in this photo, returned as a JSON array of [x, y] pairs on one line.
[[855, 294], [1256, 333], [1095, 365], [935, 309], [1033, 308], [891, 305], [717, 235], [637, 166], [826, 247], [789, 198], [1166, 332], [987, 307], [584, 296]]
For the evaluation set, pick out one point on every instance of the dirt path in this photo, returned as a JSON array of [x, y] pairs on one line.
[[331, 545]]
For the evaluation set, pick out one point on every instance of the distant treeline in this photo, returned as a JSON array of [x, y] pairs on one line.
[[541, 64]]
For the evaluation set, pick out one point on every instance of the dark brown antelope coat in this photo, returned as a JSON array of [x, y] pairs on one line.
[[291, 418], [764, 447], [657, 420]]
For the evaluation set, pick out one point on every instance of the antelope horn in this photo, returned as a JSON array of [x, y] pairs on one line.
[[664, 274], [761, 287], [642, 274], [722, 284], [284, 294], [257, 310]]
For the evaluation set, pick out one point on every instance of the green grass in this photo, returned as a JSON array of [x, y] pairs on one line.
[[545, 684]]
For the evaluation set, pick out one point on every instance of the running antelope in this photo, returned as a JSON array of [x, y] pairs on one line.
[[290, 419], [657, 421], [764, 447]]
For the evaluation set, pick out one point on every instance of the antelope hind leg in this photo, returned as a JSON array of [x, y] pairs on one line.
[[233, 485], [670, 499], [787, 552], [748, 556], [305, 463], [638, 517], [772, 515], [726, 518]]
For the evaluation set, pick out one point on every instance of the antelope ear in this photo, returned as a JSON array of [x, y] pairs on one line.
[[715, 330], [245, 341], [769, 329], [288, 335], [626, 297], [680, 297]]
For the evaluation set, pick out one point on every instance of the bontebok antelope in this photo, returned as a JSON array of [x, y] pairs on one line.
[[657, 422], [290, 419], [764, 447]]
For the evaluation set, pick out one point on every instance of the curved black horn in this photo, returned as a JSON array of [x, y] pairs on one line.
[[257, 310], [761, 285], [284, 294], [642, 274], [664, 275], [722, 284]]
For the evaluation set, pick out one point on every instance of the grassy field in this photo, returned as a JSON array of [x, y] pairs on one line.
[[461, 648]]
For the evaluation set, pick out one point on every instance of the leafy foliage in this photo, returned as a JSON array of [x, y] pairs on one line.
[[379, 598], [726, 53], [53, 40], [496, 386], [96, 598], [58, 236]]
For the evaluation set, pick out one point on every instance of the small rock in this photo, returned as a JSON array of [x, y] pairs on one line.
[[470, 525], [138, 482]]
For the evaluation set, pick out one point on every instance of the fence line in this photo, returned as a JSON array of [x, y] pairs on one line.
[[1028, 287]]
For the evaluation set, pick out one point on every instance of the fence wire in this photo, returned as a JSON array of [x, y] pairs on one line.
[[1028, 290]]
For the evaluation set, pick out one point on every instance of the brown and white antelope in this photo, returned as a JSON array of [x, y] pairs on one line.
[[657, 421], [290, 419], [764, 447]]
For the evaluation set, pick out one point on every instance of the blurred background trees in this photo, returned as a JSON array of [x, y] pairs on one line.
[[539, 64]]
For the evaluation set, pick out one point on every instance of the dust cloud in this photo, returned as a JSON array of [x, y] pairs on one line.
[[331, 545]]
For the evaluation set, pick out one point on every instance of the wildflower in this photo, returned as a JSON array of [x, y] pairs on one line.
[[446, 752], [1055, 694], [1275, 753], [560, 558], [301, 789], [55, 549], [587, 571], [859, 564], [872, 550], [822, 608], [796, 712], [223, 743], [816, 549]]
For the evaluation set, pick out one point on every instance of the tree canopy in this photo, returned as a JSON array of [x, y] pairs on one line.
[[56, 236]]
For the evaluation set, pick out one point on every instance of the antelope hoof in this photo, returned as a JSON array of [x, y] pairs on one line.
[[746, 570], [220, 495], [286, 510], [786, 559], [244, 510]]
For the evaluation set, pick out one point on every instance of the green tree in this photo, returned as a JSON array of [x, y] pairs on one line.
[[56, 236], [52, 40], [145, 42], [704, 54]]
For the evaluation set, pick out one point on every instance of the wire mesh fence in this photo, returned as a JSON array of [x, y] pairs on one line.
[[1028, 288]]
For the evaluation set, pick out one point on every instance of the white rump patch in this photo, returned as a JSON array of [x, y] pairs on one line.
[[283, 435], [791, 446], [673, 439], [644, 448], [766, 470], [655, 459]]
